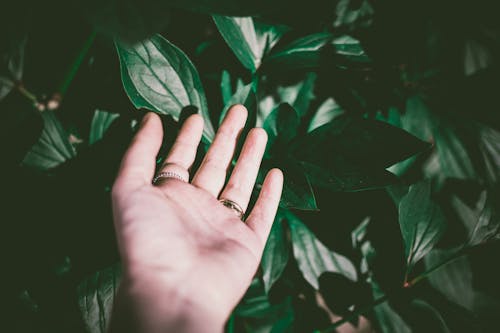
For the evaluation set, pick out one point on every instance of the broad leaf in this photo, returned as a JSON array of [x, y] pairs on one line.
[[12, 66], [489, 145], [281, 126], [454, 156], [326, 112], [100, 124], [244, 95], [275, 257], [302, 53], [158, 75], [482, 221], [351, 179], [96, 296], [297, 191], [248, 39], [421, 221], [350, 140], [350, 48], [53, 146], [314, 258]]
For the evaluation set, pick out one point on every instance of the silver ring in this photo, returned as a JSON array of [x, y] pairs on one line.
[[234, 207], [168, 174]]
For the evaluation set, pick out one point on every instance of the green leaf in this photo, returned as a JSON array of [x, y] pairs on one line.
[[353, 14], [489, 144], [388, 319], [281, 126], [275, 257], [244, 95], [96, 296], [12, 65], [350, 48], [421, 221], [365, 143], [314, 258], [53, 146], [327, 111], [100, 124], [351, 179], [454, 156], [248, 39], [6, 86], [303, 53], [297, 191], [158, 75], [225, 86]]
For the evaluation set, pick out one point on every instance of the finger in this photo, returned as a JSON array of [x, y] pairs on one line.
[[240, 185], [183, 152], [262, 216], [138, 164], [212, 173]]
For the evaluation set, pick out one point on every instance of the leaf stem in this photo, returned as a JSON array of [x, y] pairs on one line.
[[26, 93], [353, 315], [460, 252], [75, 65]]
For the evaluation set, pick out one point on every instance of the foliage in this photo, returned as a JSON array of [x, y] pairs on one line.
[[381, 115]]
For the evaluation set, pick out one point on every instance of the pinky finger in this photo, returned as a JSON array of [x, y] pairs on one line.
[[262, 216]]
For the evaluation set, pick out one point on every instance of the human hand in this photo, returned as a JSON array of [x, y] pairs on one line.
[[188, 259]]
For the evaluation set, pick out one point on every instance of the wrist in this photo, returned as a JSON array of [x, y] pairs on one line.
[[151, 306]]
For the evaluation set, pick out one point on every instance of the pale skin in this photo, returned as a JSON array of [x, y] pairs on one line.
[[187, 259]]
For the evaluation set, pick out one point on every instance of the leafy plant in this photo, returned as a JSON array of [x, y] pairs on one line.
[[382, 122]]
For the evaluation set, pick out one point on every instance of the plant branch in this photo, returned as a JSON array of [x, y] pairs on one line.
[[75, 65], [26, 93], [353, 315]]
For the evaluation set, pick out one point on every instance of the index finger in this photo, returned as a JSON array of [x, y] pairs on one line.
[[138, 163]]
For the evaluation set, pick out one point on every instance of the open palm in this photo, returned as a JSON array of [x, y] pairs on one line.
[[176, 238]]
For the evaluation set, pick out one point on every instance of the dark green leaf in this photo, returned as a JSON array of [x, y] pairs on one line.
[[248, 39], [158, 74], [356, 141], [353, 14], [96, 296], [489, 144], [352, 180], [454, 157], [297, 190], [350, 48], [243, 95], [305, 94], [12, 65], [6, 86], [225, 86], [327, 111], [281, 125], [421, 221], [302, 53], [53, 146], [314, 258], [100, 124], [275, 257]]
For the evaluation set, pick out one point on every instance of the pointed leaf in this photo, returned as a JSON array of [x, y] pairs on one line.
[[96, 296], [157, 73], [249, 40], [275, 257], [358, 141], [297, 190], [6, 86], [225, 87], [421, 221], [281, 126], [302, 53], [327, 111], [314, 258], [353, 180], [100, 124], [53, 146], [243, 95], [350, 48]]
